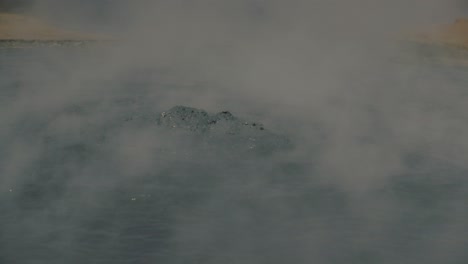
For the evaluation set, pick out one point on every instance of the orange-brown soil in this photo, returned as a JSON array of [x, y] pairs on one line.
[[452, 35], [20, 27]]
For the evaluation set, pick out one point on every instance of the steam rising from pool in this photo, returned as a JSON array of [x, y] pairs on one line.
[[234, 132]]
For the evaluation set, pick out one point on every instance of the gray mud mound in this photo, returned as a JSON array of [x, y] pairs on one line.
[[224, 129]]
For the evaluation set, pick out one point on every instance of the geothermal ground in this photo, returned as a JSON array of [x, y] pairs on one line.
[[17, 31]]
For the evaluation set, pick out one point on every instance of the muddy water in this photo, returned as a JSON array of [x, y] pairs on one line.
[[87, 176]]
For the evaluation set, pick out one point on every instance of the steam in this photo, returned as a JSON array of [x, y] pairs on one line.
[[321, 72]]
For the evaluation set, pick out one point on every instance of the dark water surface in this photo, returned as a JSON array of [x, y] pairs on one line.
[[87, 176]]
